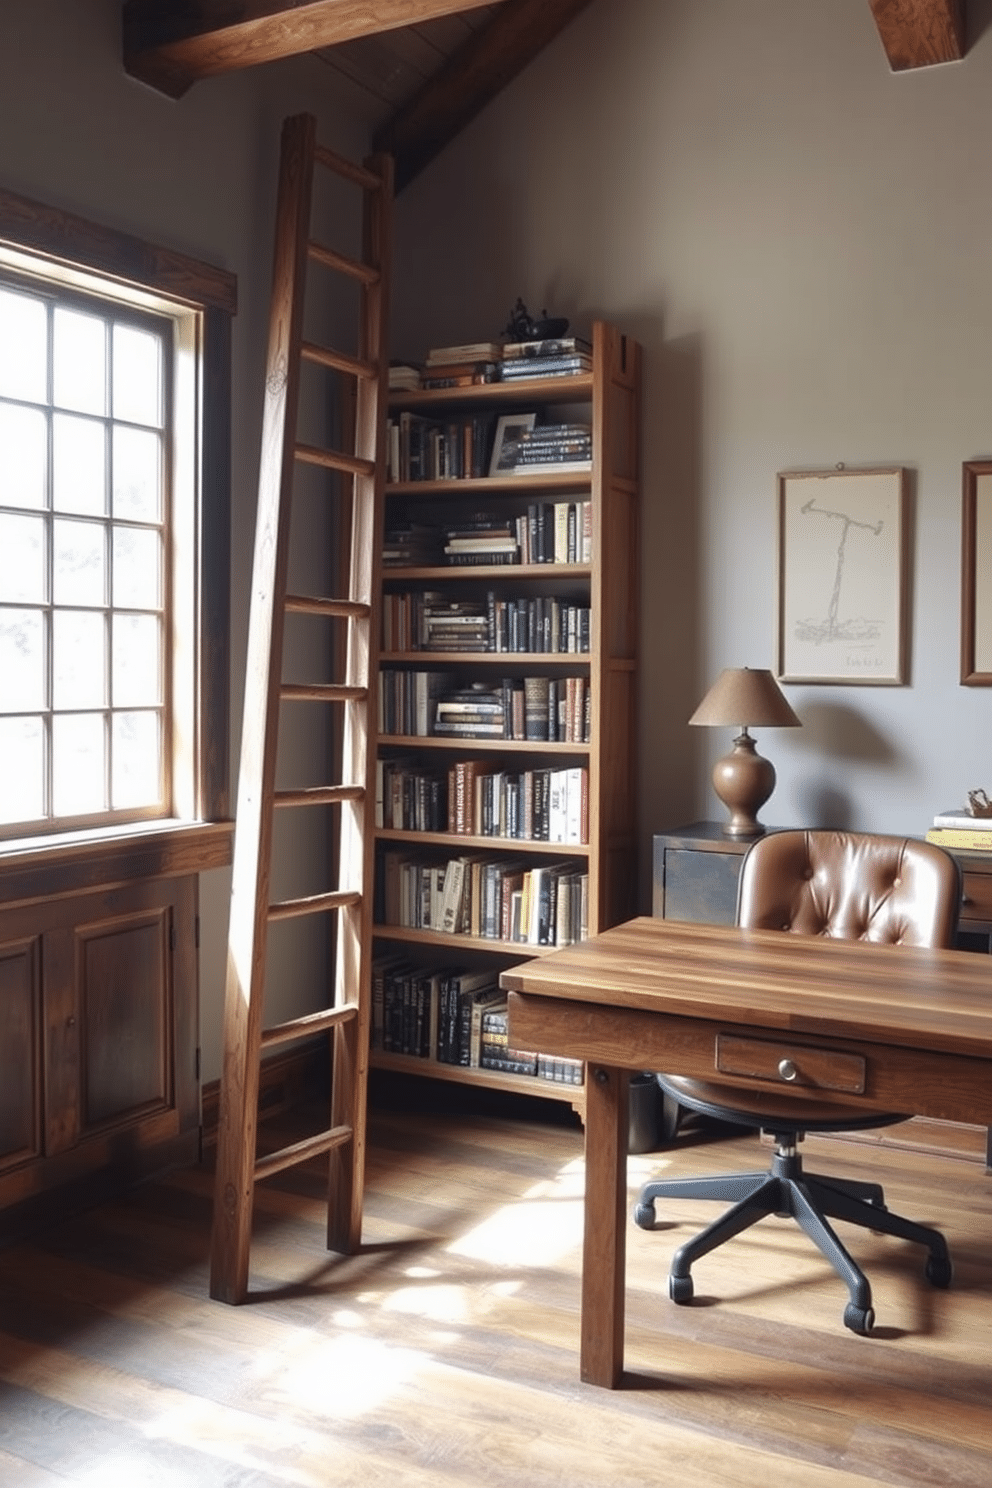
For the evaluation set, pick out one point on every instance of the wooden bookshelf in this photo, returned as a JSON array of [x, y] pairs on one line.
[[606, 585]]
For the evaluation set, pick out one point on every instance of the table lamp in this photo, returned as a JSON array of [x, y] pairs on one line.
[[743, 780]]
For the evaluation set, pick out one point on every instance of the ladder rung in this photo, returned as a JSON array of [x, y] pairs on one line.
[[347, 168], [339, 360], [299, 1152], [319, 795], [295, 1028], [353, 267], [289, 909], [345, 609], [322, 692], [335, 460]]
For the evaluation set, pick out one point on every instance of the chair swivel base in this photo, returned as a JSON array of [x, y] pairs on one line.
[[811, 1200]]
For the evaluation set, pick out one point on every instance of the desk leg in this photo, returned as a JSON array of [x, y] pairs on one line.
[[604, 1241]]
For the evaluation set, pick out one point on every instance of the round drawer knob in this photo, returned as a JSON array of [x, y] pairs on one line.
[[787, 1069]]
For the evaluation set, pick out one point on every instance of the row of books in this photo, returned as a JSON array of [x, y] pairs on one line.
[[472, 799], [961, 829], [429, 1012], [431, 705], [492, 897], [427, 621], [497, 1053], [453, 1017], [421, 448]]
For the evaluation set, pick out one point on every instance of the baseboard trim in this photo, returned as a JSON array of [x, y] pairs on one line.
[[925, 1133], [285, 1080]]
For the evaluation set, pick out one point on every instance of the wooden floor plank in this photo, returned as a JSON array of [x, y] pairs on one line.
[[446, 1351]]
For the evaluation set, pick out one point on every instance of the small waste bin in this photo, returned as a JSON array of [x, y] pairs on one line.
[[645, 1113]]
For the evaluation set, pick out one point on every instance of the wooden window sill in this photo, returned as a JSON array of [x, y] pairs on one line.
[[72, 862]]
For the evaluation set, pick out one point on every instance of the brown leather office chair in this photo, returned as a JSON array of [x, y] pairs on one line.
[[848, 886]]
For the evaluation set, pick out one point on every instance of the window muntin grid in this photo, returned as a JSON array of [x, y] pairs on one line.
[[84, 532]]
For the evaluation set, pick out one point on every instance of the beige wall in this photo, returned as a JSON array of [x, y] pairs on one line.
[[801, 241]]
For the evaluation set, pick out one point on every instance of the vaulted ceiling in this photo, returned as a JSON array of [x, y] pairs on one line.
[[430, 65]]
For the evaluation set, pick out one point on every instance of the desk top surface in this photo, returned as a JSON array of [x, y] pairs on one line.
[[932, 999]]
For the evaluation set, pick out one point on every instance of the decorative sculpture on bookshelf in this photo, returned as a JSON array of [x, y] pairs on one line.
[[521, 327], [979, 803]]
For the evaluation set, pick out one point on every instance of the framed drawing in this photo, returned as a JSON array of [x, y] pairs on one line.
[[508, 432], [841, 536], [976, 574]]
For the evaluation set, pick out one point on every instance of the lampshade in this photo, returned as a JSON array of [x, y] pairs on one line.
[[743, 779], [748, 696]]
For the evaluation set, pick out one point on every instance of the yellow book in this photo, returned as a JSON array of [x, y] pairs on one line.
[[973, 839]]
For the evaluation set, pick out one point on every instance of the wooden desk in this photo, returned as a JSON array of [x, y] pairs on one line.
[[915, 1025]]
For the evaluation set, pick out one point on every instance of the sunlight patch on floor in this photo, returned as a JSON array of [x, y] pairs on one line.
[[537, 1229]]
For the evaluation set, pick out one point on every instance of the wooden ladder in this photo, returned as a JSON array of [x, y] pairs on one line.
[[352, 641]]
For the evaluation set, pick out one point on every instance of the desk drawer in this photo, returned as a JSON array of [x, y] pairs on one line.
[[976, 900], [790, 1064]]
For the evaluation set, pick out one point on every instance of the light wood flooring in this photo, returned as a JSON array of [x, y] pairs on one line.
[[446, 1352]]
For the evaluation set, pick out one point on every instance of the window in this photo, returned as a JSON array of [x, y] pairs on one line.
[[84, 529], [114, 508]]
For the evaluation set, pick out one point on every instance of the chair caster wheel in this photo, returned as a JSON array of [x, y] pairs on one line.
[[644, 1215], [680, 1288], [859, 1319], [938, 1271]]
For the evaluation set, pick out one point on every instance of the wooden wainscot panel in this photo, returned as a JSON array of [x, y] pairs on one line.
[[20, 1053], [125, 996], [98, 1043]]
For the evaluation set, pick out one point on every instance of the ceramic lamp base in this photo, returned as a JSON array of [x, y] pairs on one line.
[[743, 780]]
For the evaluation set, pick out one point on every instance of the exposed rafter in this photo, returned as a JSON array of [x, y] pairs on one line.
[[920, 33], [169, 44], [469, 79]]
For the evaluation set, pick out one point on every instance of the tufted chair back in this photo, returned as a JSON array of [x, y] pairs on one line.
[[850, 886]]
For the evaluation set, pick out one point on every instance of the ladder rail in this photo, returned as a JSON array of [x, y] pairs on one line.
[[346, 1021], [354, 943]]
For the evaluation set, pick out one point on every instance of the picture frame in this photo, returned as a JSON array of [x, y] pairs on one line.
[[508, 431], [976, 574], [841, 576]]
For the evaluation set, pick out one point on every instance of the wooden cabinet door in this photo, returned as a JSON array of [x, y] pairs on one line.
[[98, 1036]]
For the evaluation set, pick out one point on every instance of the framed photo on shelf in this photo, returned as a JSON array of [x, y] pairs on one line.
[[841, 546], [976, 574], [508, 432]]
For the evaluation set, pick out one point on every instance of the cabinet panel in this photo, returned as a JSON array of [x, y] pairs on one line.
[[701, 887], [98, 1041], [20, 1064], [125, 1000]]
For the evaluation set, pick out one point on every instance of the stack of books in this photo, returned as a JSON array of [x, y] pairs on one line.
[[475, 712], [962, 830], [554, 447], [482, 539], [461, 366], [566, 356], [411, 546], [454, 625], [404, 376]]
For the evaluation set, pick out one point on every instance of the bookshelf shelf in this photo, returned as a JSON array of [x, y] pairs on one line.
[[408, 1064], [461, 840], [484, 746], [522, 393], [604, 503]]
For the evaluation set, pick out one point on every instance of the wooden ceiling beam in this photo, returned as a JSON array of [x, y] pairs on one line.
[[169, 44], [469, 78], [920, 33]]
